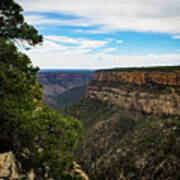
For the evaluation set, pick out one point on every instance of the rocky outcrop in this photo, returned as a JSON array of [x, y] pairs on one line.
[[140, 101], [8, 170], [140, 77], [77, 170], [8, 167], [152, 92]]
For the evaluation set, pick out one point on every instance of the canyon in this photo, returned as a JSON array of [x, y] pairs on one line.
[[63, 87], [59, 81], [131, 122], [130, 118]]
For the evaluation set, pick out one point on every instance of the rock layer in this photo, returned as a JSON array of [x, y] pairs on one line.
[[140, 77], [137, 94]]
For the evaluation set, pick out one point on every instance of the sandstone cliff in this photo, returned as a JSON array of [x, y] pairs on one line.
[[156, 92], [140, 77]]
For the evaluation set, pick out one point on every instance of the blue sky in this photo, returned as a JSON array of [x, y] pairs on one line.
[[104, 33]]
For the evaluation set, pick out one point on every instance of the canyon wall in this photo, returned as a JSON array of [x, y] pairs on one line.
[[63, 87], [149, 91], [140, 77], [58, 82]]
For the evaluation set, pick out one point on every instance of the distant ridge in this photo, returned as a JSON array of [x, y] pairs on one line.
[[57, 81], [65, 70]]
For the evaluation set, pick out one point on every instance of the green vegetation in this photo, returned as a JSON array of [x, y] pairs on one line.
[[89, 111], [41, 139], [13, 26], [59, 101], [121, 144]]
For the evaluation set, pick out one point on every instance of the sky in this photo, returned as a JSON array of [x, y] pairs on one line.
[[95, 34]]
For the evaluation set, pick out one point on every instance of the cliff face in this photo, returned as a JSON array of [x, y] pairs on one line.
[[155, 92], [140, 77]]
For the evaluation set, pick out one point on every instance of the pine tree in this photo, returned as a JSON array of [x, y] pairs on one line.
[[13, 26], [41, 139]]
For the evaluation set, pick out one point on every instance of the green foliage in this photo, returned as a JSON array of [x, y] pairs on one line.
[[89, 111], [48, 143], [19, 88], [12, 25], [127, 144], [18, 77], [59, 101], [41, 139]]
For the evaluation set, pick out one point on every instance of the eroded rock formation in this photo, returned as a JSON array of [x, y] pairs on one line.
[[140, 77], [153, 92], [7, 166]]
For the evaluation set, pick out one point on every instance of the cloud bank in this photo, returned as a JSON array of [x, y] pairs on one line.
[[112, 15], [108, 17], [52, 55]]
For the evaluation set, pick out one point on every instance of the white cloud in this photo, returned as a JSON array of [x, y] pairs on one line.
[[176, 37], [92, 44], [119, 41], [63, 39], [49, 46], [43, 20], [81, 43], [113, 15], [110, 39], [53, 48], [109, 49], [51, 55], [109, 16]]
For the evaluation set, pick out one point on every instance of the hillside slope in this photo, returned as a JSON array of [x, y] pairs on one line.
[[61, 100], [58, 81], [124, 142]]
